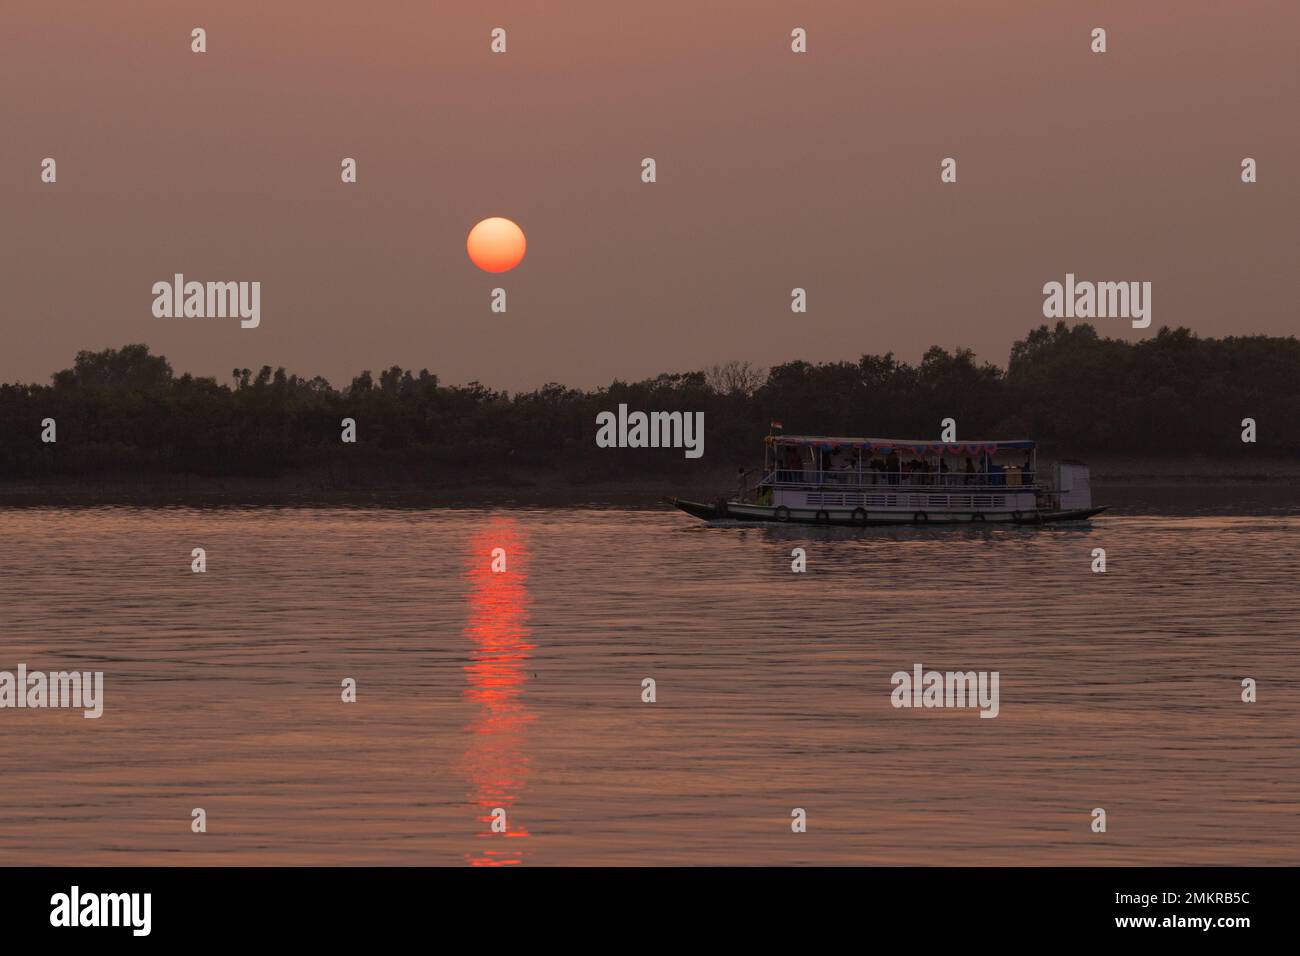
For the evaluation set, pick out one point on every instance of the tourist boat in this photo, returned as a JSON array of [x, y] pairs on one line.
[[880, 481]]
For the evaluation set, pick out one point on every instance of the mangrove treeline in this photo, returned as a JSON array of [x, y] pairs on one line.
[[124, 411]]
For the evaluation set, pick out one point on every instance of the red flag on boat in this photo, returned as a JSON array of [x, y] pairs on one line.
[[777, 425]]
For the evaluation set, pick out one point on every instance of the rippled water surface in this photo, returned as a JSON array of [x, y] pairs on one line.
[[522, 690]]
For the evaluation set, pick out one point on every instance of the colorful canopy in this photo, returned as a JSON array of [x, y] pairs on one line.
[[915, 447]]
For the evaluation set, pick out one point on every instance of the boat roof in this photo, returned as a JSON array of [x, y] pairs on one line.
[[915, 446]]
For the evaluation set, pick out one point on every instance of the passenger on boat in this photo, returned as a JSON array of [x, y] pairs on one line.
[[970, 471], [847, 469], [792, 466], [878, 467], [1027, 471]]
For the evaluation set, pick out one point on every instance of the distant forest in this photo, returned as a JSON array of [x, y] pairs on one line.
[[124, 412]]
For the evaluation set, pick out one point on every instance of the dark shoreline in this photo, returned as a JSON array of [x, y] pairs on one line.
[[1125, 477]]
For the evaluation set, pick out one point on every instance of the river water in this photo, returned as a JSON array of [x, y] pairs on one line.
[[521, 692]]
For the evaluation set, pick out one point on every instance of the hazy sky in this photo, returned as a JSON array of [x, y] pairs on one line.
[[775, 170]]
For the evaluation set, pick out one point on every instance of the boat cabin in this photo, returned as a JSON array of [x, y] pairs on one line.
[[887, 474]]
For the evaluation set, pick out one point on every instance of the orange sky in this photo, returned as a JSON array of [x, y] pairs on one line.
[[775, 171]]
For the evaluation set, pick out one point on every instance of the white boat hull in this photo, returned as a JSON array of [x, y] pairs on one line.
[[862, 517]]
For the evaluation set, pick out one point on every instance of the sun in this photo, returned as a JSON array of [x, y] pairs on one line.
[[496, 245]]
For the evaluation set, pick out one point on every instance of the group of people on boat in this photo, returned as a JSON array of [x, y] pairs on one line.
[[844, 465]]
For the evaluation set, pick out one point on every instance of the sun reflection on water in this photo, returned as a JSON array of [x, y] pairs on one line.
[[496, 760]]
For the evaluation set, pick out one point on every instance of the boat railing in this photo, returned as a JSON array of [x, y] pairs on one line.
[[801, 477]]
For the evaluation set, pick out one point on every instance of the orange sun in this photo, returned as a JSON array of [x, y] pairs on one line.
[[496, 245]]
